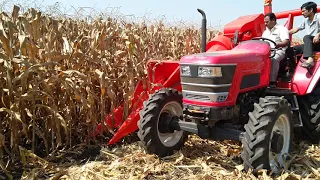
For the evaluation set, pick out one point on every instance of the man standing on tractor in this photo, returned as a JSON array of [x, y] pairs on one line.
[[312, 38], [280, 35]]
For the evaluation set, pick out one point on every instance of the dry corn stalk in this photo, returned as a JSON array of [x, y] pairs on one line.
[[60, 77]]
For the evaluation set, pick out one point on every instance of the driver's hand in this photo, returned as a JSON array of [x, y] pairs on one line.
[[277, 45], [316, 39]]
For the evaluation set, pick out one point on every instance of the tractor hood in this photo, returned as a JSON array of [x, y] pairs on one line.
[[248, 51]]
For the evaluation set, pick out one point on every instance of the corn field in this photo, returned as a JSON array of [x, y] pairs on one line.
[[60, 77]]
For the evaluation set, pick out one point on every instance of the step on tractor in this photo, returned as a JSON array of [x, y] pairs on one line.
[[223, 93]]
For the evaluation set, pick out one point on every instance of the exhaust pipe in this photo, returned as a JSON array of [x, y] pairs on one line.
[[204, 30]]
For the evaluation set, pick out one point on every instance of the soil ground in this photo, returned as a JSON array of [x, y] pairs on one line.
[[199, 159]]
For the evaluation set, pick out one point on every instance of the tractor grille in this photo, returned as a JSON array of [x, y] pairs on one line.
[[205, 97], [207, 89], [205, 92], [197, 97]]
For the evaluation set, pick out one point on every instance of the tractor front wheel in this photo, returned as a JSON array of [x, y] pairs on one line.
[[268, 137], [160, 114]]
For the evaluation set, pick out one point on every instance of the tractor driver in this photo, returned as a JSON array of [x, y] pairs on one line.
[[280, 35]]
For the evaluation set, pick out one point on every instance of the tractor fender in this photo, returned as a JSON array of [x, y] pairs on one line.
[[304, 81]]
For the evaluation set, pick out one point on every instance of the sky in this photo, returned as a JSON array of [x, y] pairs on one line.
[[218, 13]]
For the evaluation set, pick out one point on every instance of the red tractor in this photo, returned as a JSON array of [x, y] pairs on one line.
[[223, 93]]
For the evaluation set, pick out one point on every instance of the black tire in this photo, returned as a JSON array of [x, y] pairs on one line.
[[256, 140], [310, 114], [149, 119]]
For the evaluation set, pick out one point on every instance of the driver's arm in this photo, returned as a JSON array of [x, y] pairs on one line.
[[283, 43]]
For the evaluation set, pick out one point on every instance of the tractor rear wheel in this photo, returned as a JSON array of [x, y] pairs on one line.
[[268, 137], [310, 114], [161, 110]]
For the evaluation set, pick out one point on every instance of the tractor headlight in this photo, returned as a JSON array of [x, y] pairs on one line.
[[185, 71], [209, 71]]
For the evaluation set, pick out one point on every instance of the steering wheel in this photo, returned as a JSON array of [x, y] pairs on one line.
[[271, 49]]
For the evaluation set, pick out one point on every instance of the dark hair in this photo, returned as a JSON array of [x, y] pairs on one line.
[[310, 5], [272, 16]]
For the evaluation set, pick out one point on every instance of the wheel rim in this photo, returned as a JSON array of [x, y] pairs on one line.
[[170, 139], [278, 159]]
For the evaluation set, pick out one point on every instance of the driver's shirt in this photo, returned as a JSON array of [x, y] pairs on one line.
[[277, 34]]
